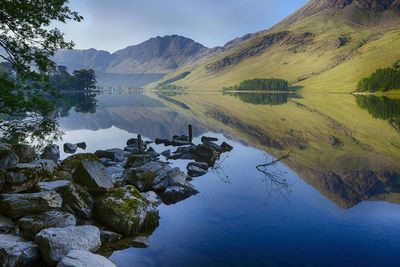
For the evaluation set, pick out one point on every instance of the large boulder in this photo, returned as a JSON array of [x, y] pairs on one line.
[[18, 205], [7, 226], [33, 224], [8, 158], [92, 175], [72, 162], [25, 153], [82, 258], [114, 154], [126, 211], [51, 152], [22, 177], [55, 243], [77, 200], [16, 252]]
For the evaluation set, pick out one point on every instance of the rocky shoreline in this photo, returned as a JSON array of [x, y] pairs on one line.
[[60, 213]]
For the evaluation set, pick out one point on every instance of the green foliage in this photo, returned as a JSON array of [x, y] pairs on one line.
[[174, 79], [81, 80], [396, 65], [381, 80], [263, 98], [380, 107], [262, 84]]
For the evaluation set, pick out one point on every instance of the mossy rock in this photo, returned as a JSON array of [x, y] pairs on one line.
[[72, 162], [126, 211], [143, 181]]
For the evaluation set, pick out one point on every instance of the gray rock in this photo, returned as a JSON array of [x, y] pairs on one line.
[[55, 243], [92, 175], [196, 169], [180, 143], [115, 172], [126, 211], [70, 148], [8, 158], [166, 153], [77, 200], [81, 145], [33, 224], [16, 252], [82, 258], [7, 226], [25, 153], [58, 186], [174, 194], [109, 237], [152, 197], [137, 160], [201, 165], [208, 139], [176, 177], [114, 154], [18, 205], [51, 152]]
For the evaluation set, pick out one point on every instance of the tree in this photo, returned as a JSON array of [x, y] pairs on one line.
[[85, 79], [28, 42]]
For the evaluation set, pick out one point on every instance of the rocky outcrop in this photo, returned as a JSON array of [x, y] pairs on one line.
[[126, 211], [55, 243], [19, 205], [82, 258], [16, 252]]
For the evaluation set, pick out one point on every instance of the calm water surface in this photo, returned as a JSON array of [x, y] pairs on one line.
[[241, 217]]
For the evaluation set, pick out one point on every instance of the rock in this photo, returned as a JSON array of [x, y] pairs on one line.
[[81, 145], [126, 211], [16, 252], [208, 139], [180, 138], [151, 197], [206, 153], [174, 194], [25, 153], [115, 172], [226, 147], [72, 162], [176, 177], [7, 226], [140, 242], [143, 181], [55, 243], [77, 200], [109, 237], [186, 156], [166, 153], [194, 171], [48, 167], [33, 224], [8, 158], [115, 154], [201, 165], [133, 150], [137, 160], [81, 258], [51, 152], [152, 153], [133, 142], [70, 148], [58, 186], [92, 175], [159, 141], [19, 205], [180, 143]]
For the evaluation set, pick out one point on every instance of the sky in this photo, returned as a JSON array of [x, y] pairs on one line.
[[115, 24]]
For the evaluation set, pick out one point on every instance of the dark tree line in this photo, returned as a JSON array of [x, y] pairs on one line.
[[262, 84], [380, 107], [80, 80], [381, 80]]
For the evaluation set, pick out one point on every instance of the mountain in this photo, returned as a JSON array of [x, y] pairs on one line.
[[327, 45], [156, 55]]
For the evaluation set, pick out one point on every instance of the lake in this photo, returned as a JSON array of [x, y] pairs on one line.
[[333, 202]]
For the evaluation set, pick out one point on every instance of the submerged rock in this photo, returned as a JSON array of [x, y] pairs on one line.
[[33, 224], [16, 252], [82, 258], [51, 152], [55, 243], [70, 148], [126, 211], [25, 153], [92, 175], [18, 205]]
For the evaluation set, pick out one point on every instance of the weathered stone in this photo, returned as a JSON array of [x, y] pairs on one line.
[[58, 186], [7, 226], [92, 175], [109, 237], [8, 158], [25, 153], [137, 160], [70, 148], [19, 205], [176, 177], [208, 139], [152, 153], [115, 154], [72, 162], [33, 224], [201, 165], [55, 243], [174, 194], [152, 197], [82, 258], [140, 242], [166, 153], [115, 172], [77, 200], [81, 145], [143, 181], [125, 211], [194, 171], [16, 252], [134, 142], [51, 152]]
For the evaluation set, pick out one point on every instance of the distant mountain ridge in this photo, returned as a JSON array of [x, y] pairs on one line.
[[156, 55]]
